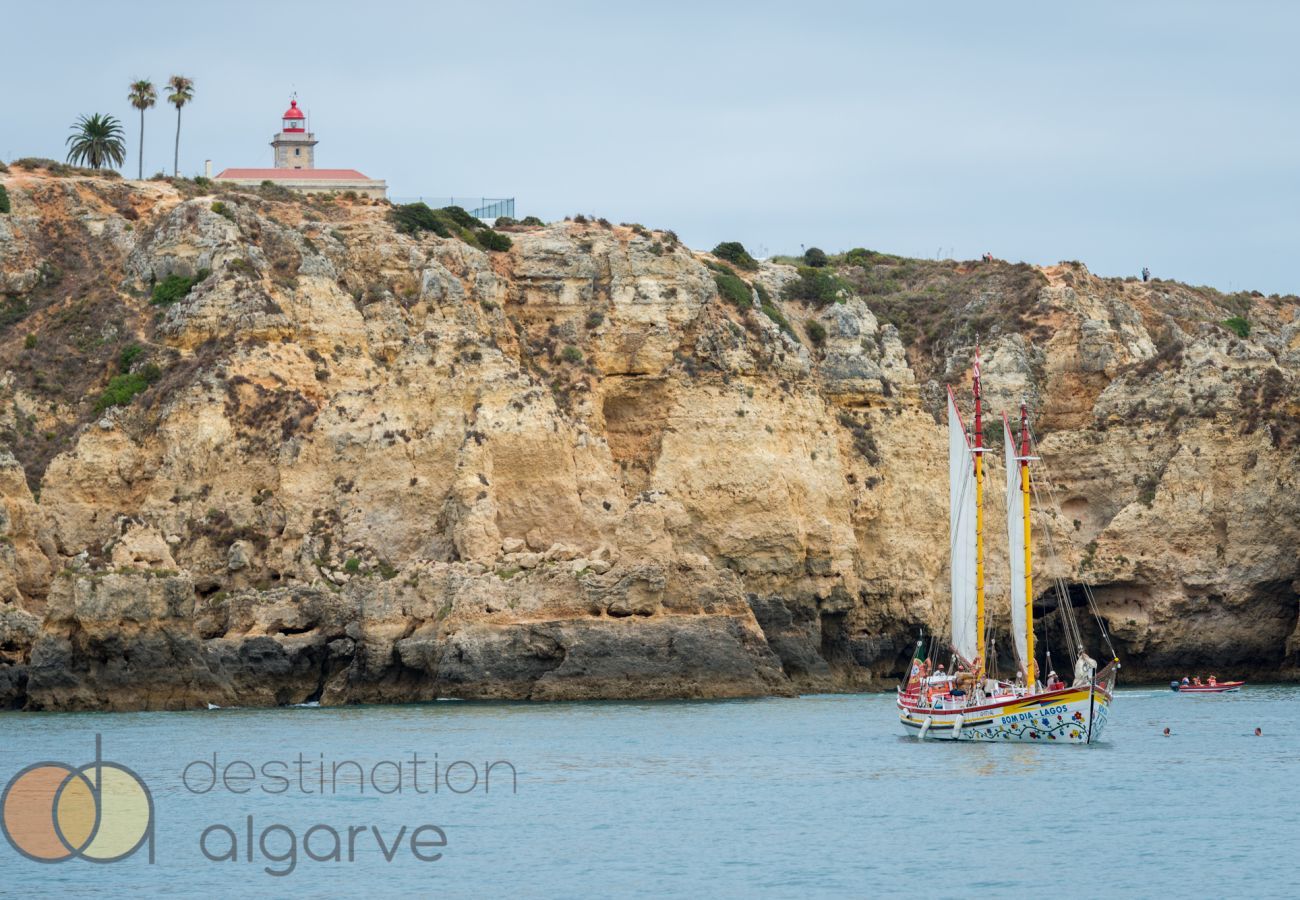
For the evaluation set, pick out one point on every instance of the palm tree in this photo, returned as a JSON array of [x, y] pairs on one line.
[[142, 97], [182, 92], [96, 141]]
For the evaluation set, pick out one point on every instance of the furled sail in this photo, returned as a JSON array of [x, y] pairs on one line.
[[1015, 544], [961, 534]]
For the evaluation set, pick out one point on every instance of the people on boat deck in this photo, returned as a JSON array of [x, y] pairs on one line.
[[1185, 681], [1084, 669], [1197, 680], [966, 674], [1213, 681]]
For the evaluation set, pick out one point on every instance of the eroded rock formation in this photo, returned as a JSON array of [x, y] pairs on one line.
[[367, 467]]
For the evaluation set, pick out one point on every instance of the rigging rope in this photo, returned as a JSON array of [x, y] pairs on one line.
[[1072, 631]]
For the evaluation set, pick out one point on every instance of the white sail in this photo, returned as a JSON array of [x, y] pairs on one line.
[[1015, 544], [961, 534]]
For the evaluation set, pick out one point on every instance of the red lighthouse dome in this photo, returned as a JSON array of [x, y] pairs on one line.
[[293, 118]]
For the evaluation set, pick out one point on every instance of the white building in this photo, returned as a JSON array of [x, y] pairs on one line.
[[295, 164]]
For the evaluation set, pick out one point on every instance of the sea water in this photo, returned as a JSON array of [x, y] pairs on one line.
[[820, 795]]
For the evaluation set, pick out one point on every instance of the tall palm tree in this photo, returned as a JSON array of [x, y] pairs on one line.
[[96, 141], [182, 92], [142, 97]]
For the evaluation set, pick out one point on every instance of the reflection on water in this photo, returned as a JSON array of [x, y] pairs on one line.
[[787, 797]]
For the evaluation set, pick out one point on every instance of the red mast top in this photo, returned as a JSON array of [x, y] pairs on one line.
[[1024, 433]]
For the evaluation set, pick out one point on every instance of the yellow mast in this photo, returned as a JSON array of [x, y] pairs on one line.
[[979, 521], [1029, 553]]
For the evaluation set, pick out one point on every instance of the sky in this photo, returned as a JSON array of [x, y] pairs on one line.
[[1122, 134]]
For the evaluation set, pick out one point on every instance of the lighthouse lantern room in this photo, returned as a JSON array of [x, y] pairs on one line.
[[294, 120]]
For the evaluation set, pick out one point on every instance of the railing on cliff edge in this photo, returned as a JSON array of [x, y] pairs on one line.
[[479, 207]]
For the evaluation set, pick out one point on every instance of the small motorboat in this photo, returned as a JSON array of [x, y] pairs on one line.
[[1218, 687]]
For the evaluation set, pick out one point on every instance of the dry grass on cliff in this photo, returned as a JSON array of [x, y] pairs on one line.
[[63, 338], [937, 304]]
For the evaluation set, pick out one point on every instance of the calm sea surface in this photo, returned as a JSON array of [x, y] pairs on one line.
[[814, 796]]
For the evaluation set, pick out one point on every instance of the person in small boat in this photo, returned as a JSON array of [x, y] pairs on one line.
[[1213, 681], [1186, 682], [1084, 669], [1197, 681]]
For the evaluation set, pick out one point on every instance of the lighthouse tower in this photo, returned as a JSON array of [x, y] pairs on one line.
[[295, 165], [294, 144]]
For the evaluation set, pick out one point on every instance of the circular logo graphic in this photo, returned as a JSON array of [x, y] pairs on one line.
[[100, 812]]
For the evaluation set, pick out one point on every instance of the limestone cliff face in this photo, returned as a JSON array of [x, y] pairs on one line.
[[369, 467]]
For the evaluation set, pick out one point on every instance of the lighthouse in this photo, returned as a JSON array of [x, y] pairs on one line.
[[294, 145], [295, 164]]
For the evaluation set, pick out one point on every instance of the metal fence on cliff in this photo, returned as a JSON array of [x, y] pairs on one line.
[[479, 207]]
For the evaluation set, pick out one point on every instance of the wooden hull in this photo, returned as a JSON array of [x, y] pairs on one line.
[[1066, 716]]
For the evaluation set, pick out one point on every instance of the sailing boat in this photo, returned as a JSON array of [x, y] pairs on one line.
[[964, 702]]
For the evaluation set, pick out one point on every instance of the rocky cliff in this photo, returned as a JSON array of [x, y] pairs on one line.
[[265, 450]]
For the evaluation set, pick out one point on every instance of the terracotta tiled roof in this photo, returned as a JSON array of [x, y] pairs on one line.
[[296, 174]]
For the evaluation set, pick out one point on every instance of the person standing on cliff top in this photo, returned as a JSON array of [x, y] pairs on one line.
[[1146, 274]]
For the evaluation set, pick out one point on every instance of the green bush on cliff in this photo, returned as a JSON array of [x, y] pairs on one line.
[[175, 287], [861, 256], [815, 257], [816, 332], [458, 215], [735, 253], [413, 218], [123, 388], [128, 355], [4, 200], [272, 191], [450, 221], [816, 286], [493, 240], [53, 167], [1238, 325], [733, 290]]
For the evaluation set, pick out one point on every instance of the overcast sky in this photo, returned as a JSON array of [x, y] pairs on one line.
[[1165, 135]]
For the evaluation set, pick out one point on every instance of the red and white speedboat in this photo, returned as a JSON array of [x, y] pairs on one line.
[[968, 705], [1218, 687]]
